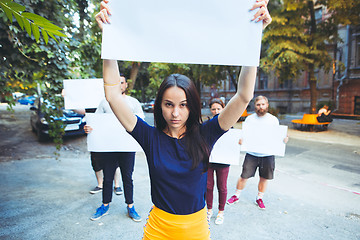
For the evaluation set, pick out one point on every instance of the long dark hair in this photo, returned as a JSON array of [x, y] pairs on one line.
[[195, 144]]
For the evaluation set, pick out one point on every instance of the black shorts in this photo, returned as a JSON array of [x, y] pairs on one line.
[[96, 161], [266, 166]]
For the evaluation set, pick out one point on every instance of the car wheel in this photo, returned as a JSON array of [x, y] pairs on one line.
[[41, 137]]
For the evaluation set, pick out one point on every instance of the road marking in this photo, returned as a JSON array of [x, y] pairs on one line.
[[321, 183]]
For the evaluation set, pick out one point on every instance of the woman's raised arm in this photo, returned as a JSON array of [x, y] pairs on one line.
[[111, 76], [114, 96], [238, 103], [246, 83]]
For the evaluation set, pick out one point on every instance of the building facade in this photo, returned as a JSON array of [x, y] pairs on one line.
[[339, 88]]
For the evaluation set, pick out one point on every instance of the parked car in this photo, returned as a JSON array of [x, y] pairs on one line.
[[26, 100], [149, 106], [74, 122], [17, 95]]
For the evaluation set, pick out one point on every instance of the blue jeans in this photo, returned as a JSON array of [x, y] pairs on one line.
[[112, 160]]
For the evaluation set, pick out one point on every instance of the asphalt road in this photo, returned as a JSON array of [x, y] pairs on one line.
[[315, 193]]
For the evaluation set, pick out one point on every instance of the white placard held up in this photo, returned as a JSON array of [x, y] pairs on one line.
[[83, 93], [265, 139], [108, 135], [227, 148], [218, 32]]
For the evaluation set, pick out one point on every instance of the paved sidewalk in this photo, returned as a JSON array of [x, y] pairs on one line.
[[340, 131], [49, 199], [46, 199]]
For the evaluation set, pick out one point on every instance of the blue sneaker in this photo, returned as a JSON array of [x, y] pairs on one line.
[[101, 211], [133, 214]]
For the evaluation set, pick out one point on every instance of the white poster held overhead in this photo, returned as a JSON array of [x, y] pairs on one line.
[[227, 148], [266, 139], [198, 32], [108, 135], [83, 93]]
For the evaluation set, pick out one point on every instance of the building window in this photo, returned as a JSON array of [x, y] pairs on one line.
[[318, 14], [357, 105], [357, 57], [286, 84], [263, 81], [232, 86]]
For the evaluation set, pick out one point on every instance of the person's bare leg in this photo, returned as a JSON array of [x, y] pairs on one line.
[[241, 183], [99, 178], [262, 185], [262, 188], [117, 177]]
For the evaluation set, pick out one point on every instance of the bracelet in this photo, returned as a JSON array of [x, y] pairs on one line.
[[110, 84]]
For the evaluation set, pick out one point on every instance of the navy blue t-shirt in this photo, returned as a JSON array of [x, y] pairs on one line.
[[175, 188]]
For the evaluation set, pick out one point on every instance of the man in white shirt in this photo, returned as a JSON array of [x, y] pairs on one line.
[[265, 163], [111, 161]]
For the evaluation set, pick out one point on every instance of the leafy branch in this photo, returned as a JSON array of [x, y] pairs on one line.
[[32, 23]]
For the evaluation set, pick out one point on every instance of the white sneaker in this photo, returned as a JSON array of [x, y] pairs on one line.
[[209, 215], [219, 219]]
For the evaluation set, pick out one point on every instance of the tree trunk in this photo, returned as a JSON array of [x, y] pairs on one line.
[[197, 85], [313, 90], [232, 79], [312, 79], [82, 6], [135, 67]]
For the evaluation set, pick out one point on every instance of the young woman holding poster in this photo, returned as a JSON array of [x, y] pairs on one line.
[[221, 170], [178, 147]]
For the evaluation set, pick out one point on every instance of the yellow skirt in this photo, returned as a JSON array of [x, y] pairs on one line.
[[163, 225]]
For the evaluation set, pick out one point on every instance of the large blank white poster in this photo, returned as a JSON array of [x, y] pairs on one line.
[[188, 31], [266, 139], [83, 93], [227, 149], [108, 135]]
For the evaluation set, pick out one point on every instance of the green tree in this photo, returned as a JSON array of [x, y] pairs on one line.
[[159, 71], [12, 45], [32, 23], [297, 41], [27, 60], [85, 44], [198, 73]]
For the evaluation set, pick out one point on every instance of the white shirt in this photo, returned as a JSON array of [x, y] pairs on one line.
[[133, 103], [267, 119]]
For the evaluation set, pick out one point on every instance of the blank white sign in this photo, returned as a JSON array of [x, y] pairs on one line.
[[189, 31], [83, 93], [108, 135], [265, 139], [227, 149]]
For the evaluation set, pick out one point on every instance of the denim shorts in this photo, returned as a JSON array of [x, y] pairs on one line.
[[266, 166]]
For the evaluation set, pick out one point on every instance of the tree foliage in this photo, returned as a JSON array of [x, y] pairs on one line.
[[198, 73], [291, 44], [28, 61], [32, 23], [34, 56], [296, 40], [85, 46]]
